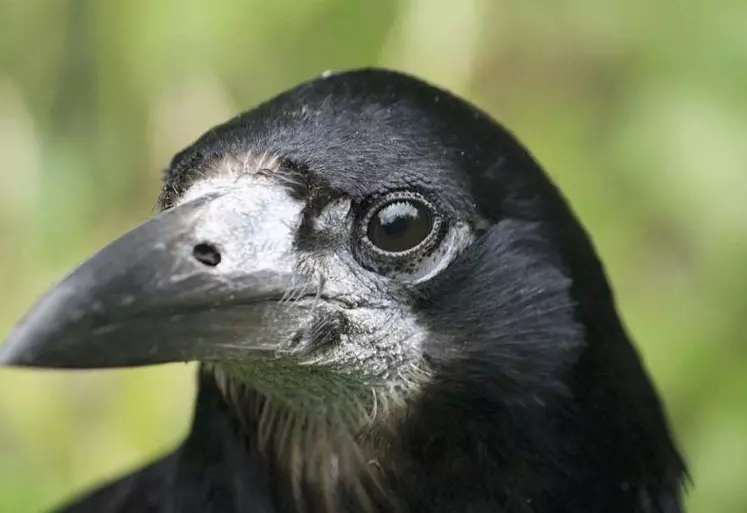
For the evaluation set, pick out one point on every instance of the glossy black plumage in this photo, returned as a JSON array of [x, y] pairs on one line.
[[538, 401]]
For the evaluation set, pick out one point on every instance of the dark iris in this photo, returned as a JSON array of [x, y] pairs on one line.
[[400, 225]]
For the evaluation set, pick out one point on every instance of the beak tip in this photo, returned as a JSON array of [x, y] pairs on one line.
[[14, 351], [26, 346], [9, 357]]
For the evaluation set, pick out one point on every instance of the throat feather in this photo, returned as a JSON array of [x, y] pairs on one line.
[[328, 433]]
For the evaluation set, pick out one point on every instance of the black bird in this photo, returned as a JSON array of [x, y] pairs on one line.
[[394, 308]]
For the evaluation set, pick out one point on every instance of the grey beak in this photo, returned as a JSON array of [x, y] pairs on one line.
[[202, 281]]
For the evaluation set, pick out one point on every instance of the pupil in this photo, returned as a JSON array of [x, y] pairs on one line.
[[399, 226], [396, 228]]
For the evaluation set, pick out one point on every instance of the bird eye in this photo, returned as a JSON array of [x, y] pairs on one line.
[[400, 225], [398, 236]]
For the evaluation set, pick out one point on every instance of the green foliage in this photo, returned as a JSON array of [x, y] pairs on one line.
[[638, 109]]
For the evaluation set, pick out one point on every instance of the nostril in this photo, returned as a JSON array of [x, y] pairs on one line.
[[206, 254]]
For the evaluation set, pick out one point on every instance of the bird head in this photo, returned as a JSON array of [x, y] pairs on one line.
[[368, 260]]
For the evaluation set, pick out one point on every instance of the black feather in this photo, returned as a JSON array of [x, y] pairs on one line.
[[538, 402]]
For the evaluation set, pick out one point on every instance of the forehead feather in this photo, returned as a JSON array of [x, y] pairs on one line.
[[223, 173]]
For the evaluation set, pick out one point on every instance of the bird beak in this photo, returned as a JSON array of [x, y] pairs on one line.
[[202, 281]]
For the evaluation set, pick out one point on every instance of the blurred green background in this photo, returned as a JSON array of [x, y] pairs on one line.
[[638, 109]]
